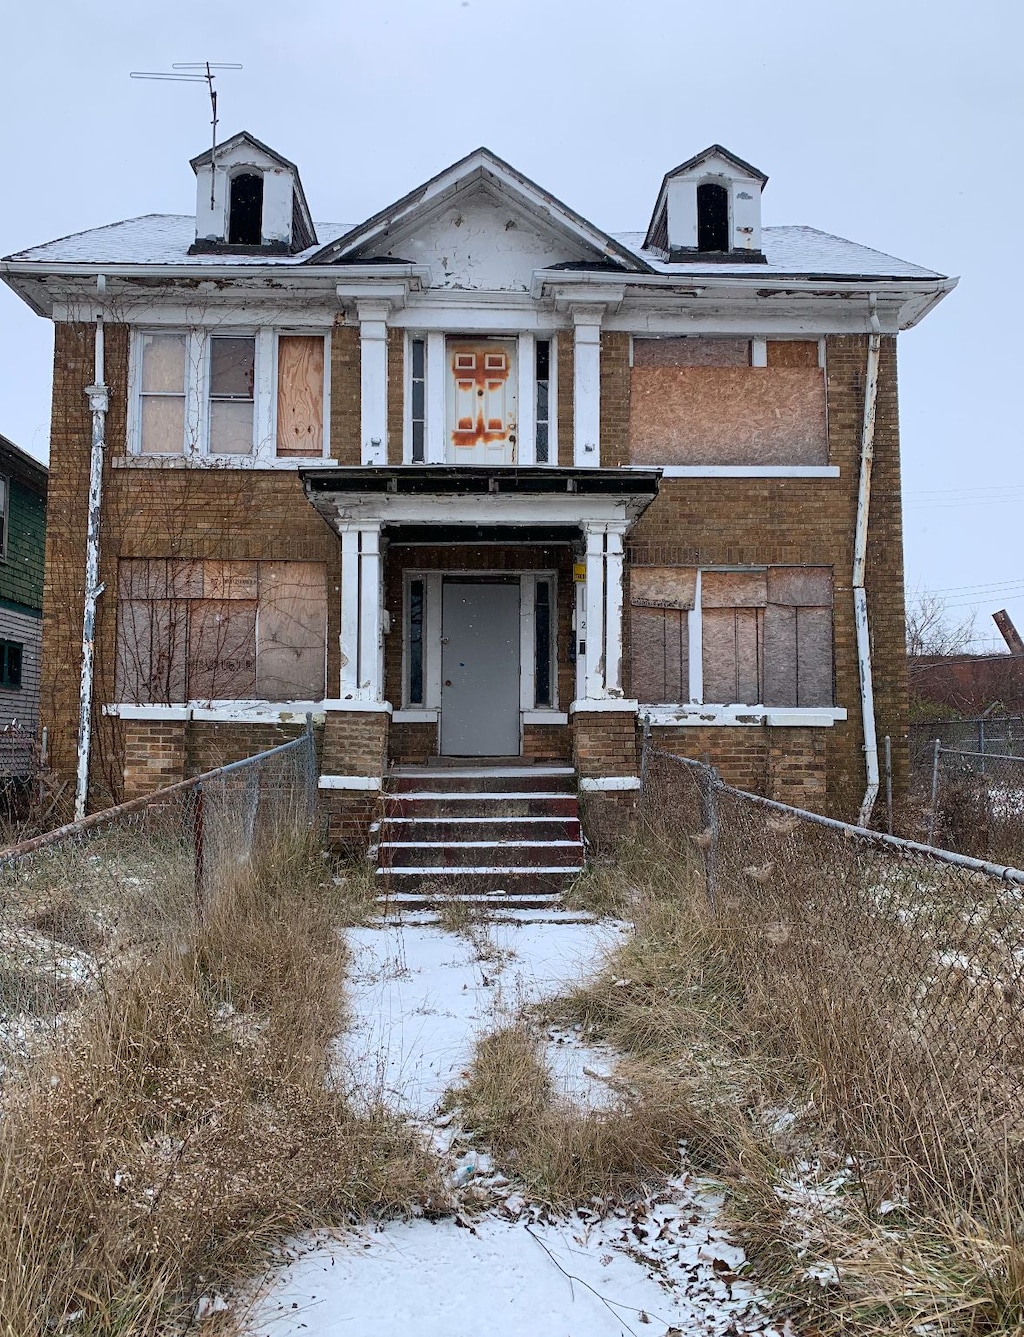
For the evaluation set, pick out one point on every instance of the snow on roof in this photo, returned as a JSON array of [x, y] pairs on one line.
[[164, 239], [792, 250], [157, 239]]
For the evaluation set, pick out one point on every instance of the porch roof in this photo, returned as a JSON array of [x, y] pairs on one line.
[[445, 495]]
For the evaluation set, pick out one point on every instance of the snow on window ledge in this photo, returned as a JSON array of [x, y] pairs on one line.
[[811, 717]]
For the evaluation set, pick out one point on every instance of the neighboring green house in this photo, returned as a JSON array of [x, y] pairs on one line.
[[22, 549]]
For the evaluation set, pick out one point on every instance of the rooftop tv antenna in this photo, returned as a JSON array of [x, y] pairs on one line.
[[195, 72]]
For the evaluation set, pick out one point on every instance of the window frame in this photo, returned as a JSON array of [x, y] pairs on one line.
[[196, 444], [695, 644], [6, 646], [5, 515]]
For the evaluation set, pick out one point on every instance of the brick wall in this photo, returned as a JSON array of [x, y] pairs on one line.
[[604, 742], [211, 744], [412, 744], [786, 764], [355, 742], [566, 361], [396, 394], [615, 388], [347, 818], [154, 756], [346, 408], [547, 743], [794, 521]]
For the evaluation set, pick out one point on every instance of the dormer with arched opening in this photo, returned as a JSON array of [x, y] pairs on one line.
[[250, 198], [709, 208]]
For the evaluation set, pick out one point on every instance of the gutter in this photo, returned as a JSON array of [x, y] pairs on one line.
[[860, 549], [99, 402]]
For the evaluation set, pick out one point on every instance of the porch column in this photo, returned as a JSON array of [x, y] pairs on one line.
[[603, 605], [587, 386], [373, 362], [362, 642]]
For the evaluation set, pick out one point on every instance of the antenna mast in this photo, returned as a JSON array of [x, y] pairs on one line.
[[196, 72]]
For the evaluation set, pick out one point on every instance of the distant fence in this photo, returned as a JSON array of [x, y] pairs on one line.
[[906, 958], [74, 900], [995, 735]]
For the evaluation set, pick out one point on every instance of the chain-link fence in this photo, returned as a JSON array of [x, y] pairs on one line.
[[96, 895], [892, 973], [976, 803], [991, 735]]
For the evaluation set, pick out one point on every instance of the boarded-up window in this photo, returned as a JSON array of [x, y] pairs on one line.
[[220, 630], [732, 623], [660, 599], [300, 395], [711, 413], [792, 353], [691, 351]]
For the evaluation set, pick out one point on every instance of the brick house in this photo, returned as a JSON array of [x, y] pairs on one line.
[[474, 478], [22, 537]]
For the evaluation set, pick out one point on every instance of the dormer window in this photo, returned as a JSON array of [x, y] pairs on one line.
[[712, 217], [245, 210]]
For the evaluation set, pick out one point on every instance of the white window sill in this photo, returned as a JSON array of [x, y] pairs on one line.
[[777, 717], [360, 782], [742, 470], [221, 462], [545, 717], [589, 704], [227, 712], [415, 715]]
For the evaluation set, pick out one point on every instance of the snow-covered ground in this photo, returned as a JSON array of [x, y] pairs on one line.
[[419, 997]]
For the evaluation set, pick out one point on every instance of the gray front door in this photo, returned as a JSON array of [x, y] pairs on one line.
[[480, 669]]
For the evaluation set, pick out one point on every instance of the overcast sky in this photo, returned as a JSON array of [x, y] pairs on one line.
[[897, 124]]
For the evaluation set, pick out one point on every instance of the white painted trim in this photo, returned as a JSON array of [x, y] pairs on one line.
[[362, 782], [814, 717], [436, 401], [695, 641], [603, 784], [476, 508], [607, 703], [350, 703], [526, 445], [227, 712], [586, 400], [474, 772], [284, 465], [742, 470], [414, 716], [759, 352], [509, 870], [431, 795], [545, 717], [478, 844]]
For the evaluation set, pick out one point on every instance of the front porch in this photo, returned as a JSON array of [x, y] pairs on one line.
[[481, 618]]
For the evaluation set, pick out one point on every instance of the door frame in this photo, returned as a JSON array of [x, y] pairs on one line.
[[433, 579]]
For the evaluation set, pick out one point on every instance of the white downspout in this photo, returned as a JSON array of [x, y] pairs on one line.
[[860, 550], [99, 402]]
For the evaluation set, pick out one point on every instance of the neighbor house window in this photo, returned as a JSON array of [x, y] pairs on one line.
[[162, 394], [232, 394], [759, 636], [245, 218], [10, 663], [418, 399], [5, 501], [543, 405]]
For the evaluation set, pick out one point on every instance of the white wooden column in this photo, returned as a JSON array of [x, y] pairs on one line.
[[587, 386], [373, 362], [595, 604], [436, 403], [613, 611], [526, 399], [362, 640]]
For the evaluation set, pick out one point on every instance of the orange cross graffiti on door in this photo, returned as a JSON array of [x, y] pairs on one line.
[[484, 399]]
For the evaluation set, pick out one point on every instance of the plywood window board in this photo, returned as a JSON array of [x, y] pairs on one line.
[[300, 396], [691, 351]]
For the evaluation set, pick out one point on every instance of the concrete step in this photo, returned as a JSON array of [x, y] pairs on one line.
[[470, 853], [452, 829], [480, 803], [481, 779], [474, 882]]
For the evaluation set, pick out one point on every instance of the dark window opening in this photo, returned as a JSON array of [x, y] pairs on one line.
[[10, 663], [712, 217], [418, 414], [542, 644], [416, 607], [543, 406], [245, 218]]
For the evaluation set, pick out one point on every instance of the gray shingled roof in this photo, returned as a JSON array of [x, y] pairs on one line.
[[164, 239]]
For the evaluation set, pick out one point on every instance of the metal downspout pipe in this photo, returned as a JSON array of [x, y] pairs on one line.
[[860, 549], [99, 402]]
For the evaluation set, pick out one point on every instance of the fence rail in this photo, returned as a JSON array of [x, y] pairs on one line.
[[976, 801], [79, 899]]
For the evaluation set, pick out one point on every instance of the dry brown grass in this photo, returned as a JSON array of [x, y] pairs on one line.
[[897, 1171], [185, 1122]]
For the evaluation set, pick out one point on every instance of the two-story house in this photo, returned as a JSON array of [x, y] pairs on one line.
[[22, 538], [474, 478]]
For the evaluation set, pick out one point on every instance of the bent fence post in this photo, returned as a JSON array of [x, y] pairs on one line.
[[933, 810]]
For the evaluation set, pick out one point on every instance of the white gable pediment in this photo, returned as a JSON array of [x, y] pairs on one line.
[[480, 224], [481, 240]]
